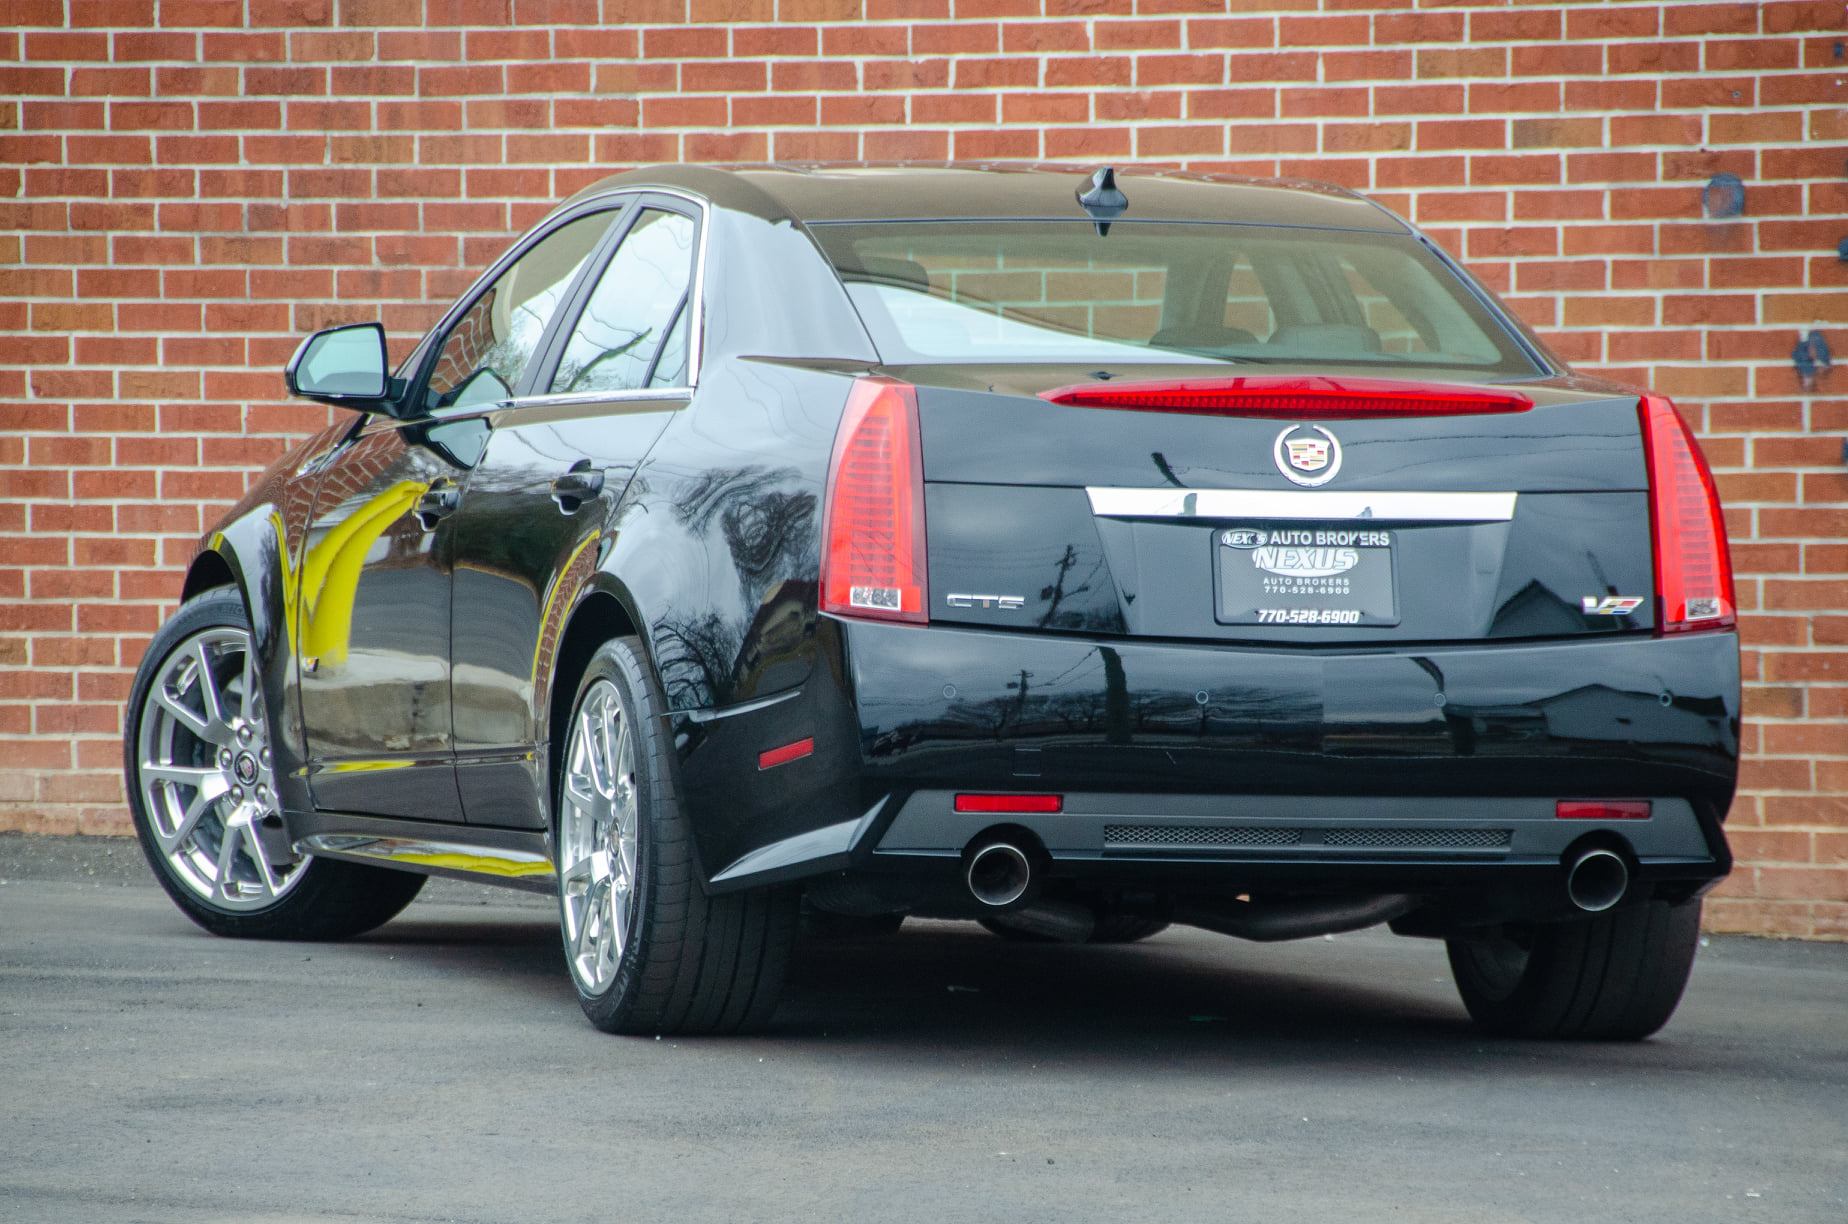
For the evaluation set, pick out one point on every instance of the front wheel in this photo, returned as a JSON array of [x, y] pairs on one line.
[[202, 791], [648, 949], [1616, 976]]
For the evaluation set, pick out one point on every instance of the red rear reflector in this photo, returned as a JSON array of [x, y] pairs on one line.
[[1304, 398], [872, 557], [1694, 579], [773, 757], [1602, 809], [1010, 803]]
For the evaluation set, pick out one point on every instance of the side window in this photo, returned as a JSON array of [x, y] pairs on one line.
[[639, 309], [490, 347]]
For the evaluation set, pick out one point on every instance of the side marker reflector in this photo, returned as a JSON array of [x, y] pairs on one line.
[[1010, 803], [1602, 809], [773, 757]]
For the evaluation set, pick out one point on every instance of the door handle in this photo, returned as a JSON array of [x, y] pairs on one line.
[[439, 503], [576, 486]]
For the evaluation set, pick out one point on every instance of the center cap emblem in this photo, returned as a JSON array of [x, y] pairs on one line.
[[1307, 454], [246, 768]]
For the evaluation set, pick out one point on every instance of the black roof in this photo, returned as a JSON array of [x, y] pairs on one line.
[[821, 193]]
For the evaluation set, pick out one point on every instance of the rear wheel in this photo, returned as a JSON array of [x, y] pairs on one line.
[[1616, 976], [649, 951], [202, 792]]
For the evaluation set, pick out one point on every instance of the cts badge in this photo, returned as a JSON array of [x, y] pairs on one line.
[[1307, 454], [1006, 603], [1610, 605]]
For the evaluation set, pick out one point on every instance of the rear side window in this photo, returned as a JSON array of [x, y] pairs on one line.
[[1157, 291], [489, 348], [636, 313]]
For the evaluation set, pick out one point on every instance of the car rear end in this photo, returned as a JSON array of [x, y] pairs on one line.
[[1266, 578]]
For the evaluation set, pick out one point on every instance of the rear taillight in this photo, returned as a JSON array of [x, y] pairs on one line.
[[1303, 398], [872, 556], [1694, 581]]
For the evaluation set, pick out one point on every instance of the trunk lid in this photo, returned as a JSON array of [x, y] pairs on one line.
[[1158, 524]]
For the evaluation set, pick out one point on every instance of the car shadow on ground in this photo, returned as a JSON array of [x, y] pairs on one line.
[[953, 982], [1368, 1004]]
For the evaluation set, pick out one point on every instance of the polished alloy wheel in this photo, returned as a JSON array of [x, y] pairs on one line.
[[597, 839], [207, 776]]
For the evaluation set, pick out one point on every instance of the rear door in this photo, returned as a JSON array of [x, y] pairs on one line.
[[532, 524], [375, 610]]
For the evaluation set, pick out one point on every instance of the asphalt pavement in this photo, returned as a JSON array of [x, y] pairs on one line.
[[439, 1069]]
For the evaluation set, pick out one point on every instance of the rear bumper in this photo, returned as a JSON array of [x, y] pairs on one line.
[[1396, 768]]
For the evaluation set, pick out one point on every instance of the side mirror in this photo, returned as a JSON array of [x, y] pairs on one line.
[[344, 366]]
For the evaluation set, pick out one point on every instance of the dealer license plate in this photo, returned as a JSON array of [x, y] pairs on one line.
[[1303, 574]]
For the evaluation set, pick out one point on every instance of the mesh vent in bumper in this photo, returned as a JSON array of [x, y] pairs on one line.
[[1418, 839], [1200, 835], [1378, 838]]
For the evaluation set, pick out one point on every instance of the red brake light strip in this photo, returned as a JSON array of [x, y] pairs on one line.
[[1303, 398]]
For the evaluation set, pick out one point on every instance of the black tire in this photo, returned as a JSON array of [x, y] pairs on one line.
[[1617, 976], [331, 900], [1112, 928], [692, 963]]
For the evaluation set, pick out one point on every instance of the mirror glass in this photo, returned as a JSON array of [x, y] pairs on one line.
[[343, 361]]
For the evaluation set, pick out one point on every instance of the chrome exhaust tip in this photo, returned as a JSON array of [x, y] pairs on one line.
[[1597, 880], [999, 874]]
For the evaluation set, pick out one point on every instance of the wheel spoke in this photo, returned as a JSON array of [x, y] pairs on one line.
[[625, 853], [254, 848], [594, 766], [190, 719], [227, 861], [209, 695], [201, 804], [580, 789], [200, 776], [606, 928], [576, 879], [250, 701], [619, 905]]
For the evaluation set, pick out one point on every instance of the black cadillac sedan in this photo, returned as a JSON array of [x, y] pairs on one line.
[[1075, 553]]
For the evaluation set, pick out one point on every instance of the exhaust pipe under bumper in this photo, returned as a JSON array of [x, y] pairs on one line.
[[1597, 880], [999, 874], [1270, 922]]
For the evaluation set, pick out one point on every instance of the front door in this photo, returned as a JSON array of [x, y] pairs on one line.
[[376, 602], [374, 629], [531, 527]]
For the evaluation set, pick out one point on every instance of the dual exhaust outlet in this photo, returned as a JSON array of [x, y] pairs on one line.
[[1000, 873]]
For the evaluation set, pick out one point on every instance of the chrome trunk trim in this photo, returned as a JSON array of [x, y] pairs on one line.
[[1321, 505]]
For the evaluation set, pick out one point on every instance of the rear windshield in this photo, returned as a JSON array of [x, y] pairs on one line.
[[1056, 291]]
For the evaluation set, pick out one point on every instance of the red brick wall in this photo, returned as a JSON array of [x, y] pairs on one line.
[[186, 187]]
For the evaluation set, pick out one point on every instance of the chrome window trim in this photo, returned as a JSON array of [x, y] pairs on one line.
[[1387, 507], [696, 298], [564, 215], [600, 397]]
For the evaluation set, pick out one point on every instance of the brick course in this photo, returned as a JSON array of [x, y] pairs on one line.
[[186, 186]]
